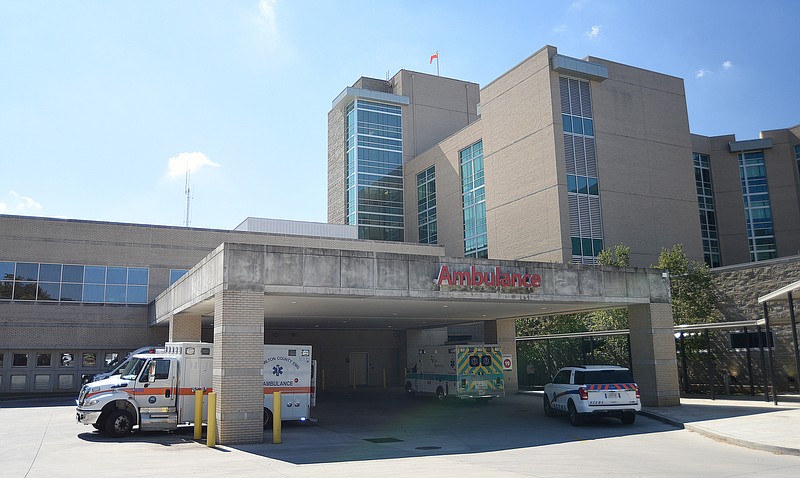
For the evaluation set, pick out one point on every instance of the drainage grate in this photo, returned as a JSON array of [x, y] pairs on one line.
[[382, 440], [428, 448]]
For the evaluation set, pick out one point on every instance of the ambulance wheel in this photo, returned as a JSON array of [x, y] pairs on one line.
[[409, 390], [440, 394], [267, 418], [628, 418], [119, 423], [575, 419], [548, 410]]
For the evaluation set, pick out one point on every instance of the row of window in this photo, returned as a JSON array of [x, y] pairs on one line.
[[426, 206], [758, 211], [65, 360], [474, 201], [586, 225], [73, 283], [705, 202], [33, 281], [374, 170]]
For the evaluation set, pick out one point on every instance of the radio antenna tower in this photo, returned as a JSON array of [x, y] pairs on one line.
[[188, 194]]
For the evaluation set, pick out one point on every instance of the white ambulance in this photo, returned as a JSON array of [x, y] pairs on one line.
[[462, 371], [156, 391]]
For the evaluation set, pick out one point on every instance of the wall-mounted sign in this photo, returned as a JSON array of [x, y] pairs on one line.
[[508, 363], [495, 278]]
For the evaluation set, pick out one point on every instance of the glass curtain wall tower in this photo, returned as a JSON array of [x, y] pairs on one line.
[[708, 215], [374, 169], [474, 201], [757, 207]]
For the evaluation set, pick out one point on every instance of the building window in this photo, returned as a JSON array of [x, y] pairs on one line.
[[43, 359], [474, 201], [67, 360], [708, 216], [757, 208], [583, 188], [89, 359], [797, 157], [33, 281], [426, 206], [19, 360], [175, 274], [374, 170]]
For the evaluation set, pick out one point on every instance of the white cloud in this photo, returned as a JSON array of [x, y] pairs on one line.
[[266, 9], [19, 204], [727, 65], [577, 6], [559, 28], [594, 32], [701, 73], [177, 165]]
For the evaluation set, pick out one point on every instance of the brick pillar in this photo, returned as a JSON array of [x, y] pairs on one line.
[[238, 363], [653, 357], [185, 328]]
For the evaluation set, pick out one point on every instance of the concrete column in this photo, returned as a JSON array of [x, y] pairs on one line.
[[655, 365], [185, 328], [506, 337], [238, 363], [490, 331]]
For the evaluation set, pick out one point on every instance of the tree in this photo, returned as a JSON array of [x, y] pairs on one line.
[[693, 297]]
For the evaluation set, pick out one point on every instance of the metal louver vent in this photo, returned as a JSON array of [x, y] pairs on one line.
[[564, 87]]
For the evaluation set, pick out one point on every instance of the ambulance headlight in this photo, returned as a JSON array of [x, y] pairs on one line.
[[91, 402]]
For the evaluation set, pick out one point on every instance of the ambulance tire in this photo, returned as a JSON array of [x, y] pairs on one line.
[[267, 418], [575, 418], [548, 409], [440, 394], [119, 423], [628, 418], [409, 390]]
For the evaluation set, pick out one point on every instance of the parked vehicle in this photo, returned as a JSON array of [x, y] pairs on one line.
[[118, 367], [586, 390], [156, 390], [462, 371]]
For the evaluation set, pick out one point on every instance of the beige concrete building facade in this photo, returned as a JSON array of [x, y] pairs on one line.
[[576, 155]]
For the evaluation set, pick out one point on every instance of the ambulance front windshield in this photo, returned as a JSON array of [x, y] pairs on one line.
[[131, 371]]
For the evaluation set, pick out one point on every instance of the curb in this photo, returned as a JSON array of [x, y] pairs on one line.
[[662, 418], [780, 450]]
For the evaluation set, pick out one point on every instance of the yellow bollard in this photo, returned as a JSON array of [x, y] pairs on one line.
[[276, 418], [198, 413], [211, 438]]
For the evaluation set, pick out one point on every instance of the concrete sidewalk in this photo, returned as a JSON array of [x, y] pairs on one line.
[[750, 422]]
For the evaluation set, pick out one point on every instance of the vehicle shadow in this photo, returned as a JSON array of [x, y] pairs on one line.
[[355, 425]]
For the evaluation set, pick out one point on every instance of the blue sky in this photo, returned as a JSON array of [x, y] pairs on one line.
[[102, 104]]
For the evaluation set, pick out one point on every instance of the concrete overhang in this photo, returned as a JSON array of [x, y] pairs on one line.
[[351, 93], [750, 145], [579, 68], [307, 288]]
